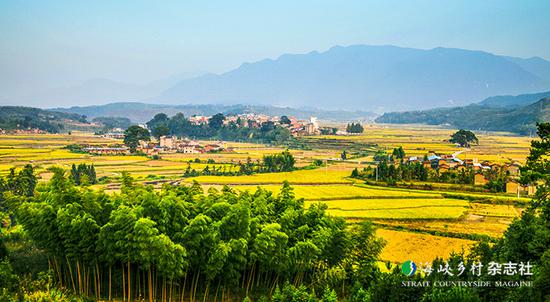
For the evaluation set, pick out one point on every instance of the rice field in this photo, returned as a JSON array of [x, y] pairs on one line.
[[346, 191], [415, 211], [495, 210], [417, 140], [488, 226], [316, 176], [420, 248], [424, 212]]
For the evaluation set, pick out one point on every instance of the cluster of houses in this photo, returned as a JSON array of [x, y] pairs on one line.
[[23, 131], [166, 144], [107, 150], [172, 144], [448, 162], [115, 133], [297, 127]]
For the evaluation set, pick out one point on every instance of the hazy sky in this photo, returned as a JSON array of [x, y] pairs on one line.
[[57, 43]]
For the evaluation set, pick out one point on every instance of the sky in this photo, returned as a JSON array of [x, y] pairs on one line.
[[45, 44]]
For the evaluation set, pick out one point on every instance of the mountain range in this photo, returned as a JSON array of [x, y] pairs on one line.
[[357, 77], [379, 78]]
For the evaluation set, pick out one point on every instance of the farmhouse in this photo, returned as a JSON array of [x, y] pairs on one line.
[[168, 142], [515, 187], [479, 179], [113, 135], [513, 169]]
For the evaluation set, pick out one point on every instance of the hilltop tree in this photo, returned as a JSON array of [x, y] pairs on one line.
[[464, 138], [133, 135]]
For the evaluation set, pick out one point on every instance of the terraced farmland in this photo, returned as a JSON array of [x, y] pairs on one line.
[[317, 176], [409, 219], [346, 191]]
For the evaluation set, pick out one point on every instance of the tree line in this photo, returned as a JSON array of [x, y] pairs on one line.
[[281, 162], [354, 128], [83, 174], [216, 128]]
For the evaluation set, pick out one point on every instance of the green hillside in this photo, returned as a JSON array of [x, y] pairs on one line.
[[520, 120], [15, 117]]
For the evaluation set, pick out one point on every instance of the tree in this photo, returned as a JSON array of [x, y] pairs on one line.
[[464, 138], [399, 153], [528, 238], [344, 155], [133, 135], [267, 126], [160, 119], [285, 120], [216, 121], [160, 130], [354, 128], [536, 170]]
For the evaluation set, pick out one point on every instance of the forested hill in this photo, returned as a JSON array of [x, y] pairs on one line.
[[514, 100], [15, 117], [142, 112], [520, 120]]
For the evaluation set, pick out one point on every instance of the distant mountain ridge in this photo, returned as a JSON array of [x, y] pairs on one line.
[[373, 78], [142, 112], [102, 90], [518, 119], [514, 100]]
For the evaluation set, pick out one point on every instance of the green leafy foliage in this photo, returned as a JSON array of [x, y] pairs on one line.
[[141, 241], [478, 117], [133, 135], [354, 128], [216, 128], [464, 138]]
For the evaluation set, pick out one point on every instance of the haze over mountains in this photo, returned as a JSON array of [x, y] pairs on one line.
[[358, 77], [378, 78]]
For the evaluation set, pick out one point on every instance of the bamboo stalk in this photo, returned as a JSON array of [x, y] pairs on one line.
[[110, 283], [129, 282], [150, 286], [71, 274], [123, 283]]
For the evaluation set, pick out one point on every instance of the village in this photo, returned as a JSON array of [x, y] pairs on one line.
[[172, 144], [442, 163]]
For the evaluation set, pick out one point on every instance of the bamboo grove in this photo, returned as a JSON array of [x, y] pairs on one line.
[[179, 244]]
